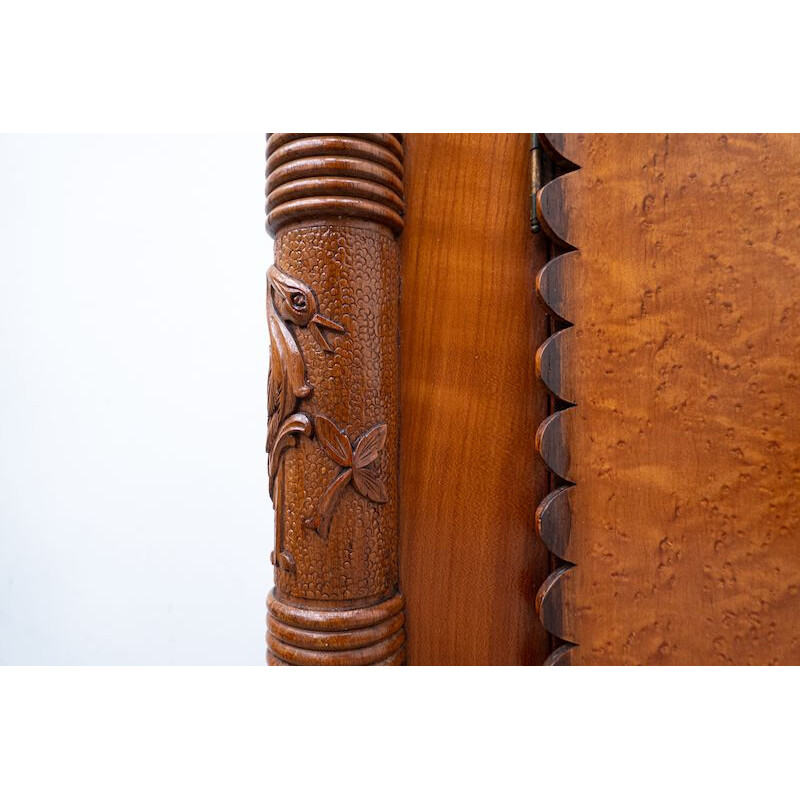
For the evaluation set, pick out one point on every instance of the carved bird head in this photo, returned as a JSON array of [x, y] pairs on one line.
[[295, 302]]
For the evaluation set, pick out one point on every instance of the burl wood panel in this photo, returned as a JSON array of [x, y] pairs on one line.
[[470, 478], [683, 445], [334, 204]]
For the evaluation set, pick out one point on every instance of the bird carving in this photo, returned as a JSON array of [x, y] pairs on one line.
[[295, 302], [289, 302]]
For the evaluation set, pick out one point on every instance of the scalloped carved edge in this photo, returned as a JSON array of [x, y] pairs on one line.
[[560, 657], [551, 605], [554, 521], [553, 515], [552, 282]]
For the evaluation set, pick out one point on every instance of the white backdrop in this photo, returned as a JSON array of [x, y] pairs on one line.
[[135, 526]]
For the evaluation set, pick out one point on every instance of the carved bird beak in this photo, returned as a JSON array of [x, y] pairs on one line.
[[317, 323]]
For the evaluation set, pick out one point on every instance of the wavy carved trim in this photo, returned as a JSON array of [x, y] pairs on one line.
[[553, 515]]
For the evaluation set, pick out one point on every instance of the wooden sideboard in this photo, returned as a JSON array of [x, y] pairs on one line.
[[533, 399]]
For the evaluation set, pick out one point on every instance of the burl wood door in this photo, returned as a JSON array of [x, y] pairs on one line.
[[678, 522], [514, 432]]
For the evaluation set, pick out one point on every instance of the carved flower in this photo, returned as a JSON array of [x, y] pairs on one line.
[[355, 462], [367, 448]]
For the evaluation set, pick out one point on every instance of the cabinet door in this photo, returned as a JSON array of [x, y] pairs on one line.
[[677, 524]]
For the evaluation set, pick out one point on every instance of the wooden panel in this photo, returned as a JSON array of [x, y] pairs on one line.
[[470, 402], [683, 364]]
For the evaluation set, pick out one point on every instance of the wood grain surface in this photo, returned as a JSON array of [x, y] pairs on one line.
[[683, 364], [470, 478]]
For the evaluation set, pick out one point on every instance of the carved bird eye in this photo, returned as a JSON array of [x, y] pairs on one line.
[[299, 302]]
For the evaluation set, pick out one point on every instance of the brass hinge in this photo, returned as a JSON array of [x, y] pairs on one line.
[[536, 180]]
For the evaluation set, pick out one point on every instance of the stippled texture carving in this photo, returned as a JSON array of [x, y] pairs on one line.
[[354, 273]]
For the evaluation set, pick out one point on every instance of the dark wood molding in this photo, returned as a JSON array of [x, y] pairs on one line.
[[553, 518]]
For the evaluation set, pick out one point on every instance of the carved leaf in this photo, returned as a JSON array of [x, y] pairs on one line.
[[285, 437], [369, 445], [370, 485], [334, 442]]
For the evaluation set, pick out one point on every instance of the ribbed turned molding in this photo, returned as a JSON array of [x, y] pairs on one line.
[[368, 635], [310, 176], [334, 206]]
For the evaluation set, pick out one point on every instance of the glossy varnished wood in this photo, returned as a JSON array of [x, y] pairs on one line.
[[334, 206], [683, 364], [470, 479]]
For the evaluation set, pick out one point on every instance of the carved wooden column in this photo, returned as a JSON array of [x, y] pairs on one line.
[[334, 206]]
